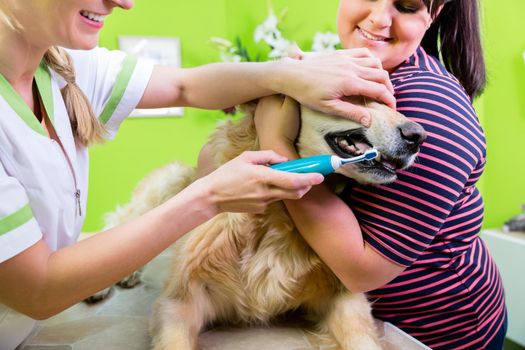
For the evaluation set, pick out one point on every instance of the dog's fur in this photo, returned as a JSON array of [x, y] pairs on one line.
[[247, 269]]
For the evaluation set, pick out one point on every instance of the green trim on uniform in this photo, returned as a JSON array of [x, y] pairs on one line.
[[123, 78], [20, 107], [43, 82], [16, 219]]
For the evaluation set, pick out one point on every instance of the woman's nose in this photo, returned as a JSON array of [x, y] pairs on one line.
[[380, 15], [125, 4]]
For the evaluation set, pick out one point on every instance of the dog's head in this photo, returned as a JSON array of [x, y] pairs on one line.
[[395, 137]]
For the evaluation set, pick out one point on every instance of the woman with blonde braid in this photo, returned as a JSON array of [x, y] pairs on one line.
[[60, 94]]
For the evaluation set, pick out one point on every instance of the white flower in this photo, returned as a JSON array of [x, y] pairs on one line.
[[221, 43], [229, 57], [267, 31], [325, 42], [279, 48], [228, 52]]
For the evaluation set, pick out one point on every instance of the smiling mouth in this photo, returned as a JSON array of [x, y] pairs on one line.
[[371, 36], [351, 143], [92, 16]]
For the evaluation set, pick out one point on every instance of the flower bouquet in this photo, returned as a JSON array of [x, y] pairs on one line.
[[269, 33]]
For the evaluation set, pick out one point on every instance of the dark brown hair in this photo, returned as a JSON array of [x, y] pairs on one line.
[[454, 37]]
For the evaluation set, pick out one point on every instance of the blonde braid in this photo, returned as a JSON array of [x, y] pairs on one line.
[[87, 128]]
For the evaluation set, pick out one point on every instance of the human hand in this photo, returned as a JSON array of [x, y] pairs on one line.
[[277, 121], [246, 184], [321, 80]]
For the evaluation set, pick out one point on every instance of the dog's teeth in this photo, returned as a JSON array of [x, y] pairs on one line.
[[343, 143], [352, 149]]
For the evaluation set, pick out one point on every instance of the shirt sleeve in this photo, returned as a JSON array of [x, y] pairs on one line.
[[401, 219], [18, 227], [113, 81]]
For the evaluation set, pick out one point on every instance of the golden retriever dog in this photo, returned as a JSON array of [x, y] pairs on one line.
[[245, 269]]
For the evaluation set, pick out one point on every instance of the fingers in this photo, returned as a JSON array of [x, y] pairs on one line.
[[371, 62], [246, 184], [293, 181], [375, 90], [276, 178], [377, 75], [262, 157], [355, 53], [370, 69], [353, 112]]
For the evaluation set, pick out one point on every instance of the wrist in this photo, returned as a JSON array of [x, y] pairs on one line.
[[276, 75], [197, 200]]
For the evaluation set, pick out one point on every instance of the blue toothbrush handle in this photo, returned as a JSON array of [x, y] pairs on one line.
[[315, 164]]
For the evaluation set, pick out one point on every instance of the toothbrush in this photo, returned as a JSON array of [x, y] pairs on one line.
[[324, 164]]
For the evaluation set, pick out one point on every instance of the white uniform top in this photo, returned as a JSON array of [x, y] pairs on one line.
[[43, 192]]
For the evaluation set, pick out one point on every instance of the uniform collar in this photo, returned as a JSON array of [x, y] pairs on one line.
[[43, 83]]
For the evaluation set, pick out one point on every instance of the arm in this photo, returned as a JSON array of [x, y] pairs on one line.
[[41, 283], [323, 219], [400, 220], [332, 230], [321, 81]]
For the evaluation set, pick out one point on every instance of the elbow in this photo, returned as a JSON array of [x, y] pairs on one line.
[[43, 313], [39, 316], [39, 309], [39, 313]]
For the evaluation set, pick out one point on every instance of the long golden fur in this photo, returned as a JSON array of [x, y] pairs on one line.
[[247, 269]]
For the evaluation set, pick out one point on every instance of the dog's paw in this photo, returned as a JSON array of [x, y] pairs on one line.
[[95, 298], [131, 280]]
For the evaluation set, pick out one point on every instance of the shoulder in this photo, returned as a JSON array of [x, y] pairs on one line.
[[428, 94], [87, 62], [424, 76]]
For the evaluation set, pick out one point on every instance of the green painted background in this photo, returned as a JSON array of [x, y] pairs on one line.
[[504, 110], [146, 143]]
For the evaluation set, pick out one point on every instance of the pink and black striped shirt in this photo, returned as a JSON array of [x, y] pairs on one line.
[[450, 296]]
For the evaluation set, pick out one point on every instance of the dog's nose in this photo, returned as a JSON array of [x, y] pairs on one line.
[[413, 134]]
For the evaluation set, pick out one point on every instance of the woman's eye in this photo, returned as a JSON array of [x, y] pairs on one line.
[[407, 7]]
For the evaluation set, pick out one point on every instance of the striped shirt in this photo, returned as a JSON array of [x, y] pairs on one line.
[[450, 296]]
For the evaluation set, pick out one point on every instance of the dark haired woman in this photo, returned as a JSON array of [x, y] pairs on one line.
[[413, 245]]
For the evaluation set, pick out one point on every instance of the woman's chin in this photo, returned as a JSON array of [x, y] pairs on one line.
[[84, 43]]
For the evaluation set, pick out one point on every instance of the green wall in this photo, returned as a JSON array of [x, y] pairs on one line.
[[144, 144], [504, 110]]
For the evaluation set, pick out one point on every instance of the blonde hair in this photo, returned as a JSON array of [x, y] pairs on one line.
[[87, 128]]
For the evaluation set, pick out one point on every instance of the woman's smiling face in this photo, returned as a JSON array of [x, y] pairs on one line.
[[69, 23], [391, 29]]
